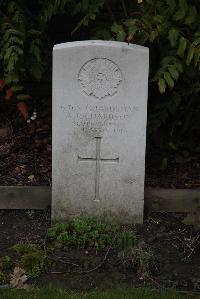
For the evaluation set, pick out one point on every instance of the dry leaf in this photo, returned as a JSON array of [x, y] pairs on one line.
[[4, 132], [31, 177], [23, 109], [18, 279]]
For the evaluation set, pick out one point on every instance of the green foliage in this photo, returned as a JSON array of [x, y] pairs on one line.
[[83, 233], [90, 233], [88, 7], [23, 248], [124, 292], [30, 213], [23, 38], [4, 278], [139, 257], [34, 263], [32, 258], [5, 263], [118, 31], [126, 240], [57, 229], [171, 30], [143, 259], [23, 35], [173, 27], [51, 8]]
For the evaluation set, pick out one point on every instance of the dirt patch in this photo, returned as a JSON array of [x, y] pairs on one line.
[[25, 153], [176, 176], [175, 248]]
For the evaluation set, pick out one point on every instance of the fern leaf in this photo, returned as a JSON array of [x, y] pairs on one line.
[[161, 85], [17, 88], [192, 16], [11, 32], [173, 35], [171, 4], [131, 25], [190, 55], [173, 72], [181, 12], [119, 31], [183, 4], [168, 79], [182, 46]]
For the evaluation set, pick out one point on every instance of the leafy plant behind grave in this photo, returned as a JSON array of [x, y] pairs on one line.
[[171, 30]]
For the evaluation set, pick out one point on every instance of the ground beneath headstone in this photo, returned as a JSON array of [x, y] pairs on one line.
[[175, 246]]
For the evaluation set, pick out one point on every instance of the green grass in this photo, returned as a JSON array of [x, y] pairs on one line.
[[123, 293]]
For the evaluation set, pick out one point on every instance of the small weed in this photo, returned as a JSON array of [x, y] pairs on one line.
[[33, 259], [126, 240], [30, 213], [5, 263], [140, 257], [84, 233], [144, 260], [4, 278], [90, 233], [35, 263], [23, 248], [57, 229]]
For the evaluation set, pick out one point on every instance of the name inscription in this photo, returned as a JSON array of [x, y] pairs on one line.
[[96, 120]]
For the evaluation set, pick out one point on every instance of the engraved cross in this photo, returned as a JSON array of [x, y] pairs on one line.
[[98, 160]]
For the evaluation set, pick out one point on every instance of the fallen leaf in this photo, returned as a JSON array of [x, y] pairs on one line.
[[23, 109], [19, 278], [2, 84], [9, 94], [17, 169], [31, 177]]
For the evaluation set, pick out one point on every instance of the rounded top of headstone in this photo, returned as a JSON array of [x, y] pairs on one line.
[[99, 43]]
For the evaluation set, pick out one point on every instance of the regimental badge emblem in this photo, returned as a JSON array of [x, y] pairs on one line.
[[100, 77]]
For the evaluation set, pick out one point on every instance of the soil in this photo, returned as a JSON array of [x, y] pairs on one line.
[[177, 175], [25, 153], [175, 247]]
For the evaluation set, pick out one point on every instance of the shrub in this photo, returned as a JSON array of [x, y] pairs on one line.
[[32, 258]]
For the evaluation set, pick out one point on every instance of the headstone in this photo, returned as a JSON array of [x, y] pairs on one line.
[[99, 130]]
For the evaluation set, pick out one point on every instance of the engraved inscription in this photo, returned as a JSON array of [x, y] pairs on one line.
[[98, 159], [100, 77], [95, 120]]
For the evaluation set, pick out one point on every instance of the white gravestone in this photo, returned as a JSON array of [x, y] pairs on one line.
[[99, 130]]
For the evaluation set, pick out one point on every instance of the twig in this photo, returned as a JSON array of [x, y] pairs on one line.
[[153, 281], [102, 262], [59, 259], [124, 8], [55, 273]]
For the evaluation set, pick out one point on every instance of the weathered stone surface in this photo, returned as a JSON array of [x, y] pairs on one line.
[[99, 130]]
